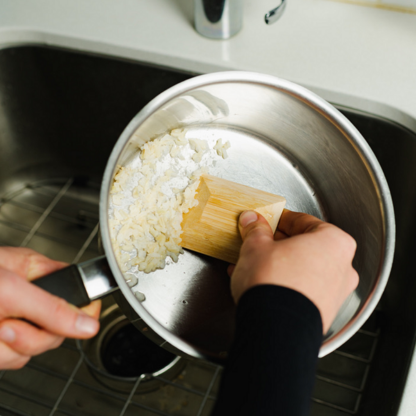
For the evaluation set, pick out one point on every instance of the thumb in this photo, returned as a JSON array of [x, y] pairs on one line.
[[253, 225]]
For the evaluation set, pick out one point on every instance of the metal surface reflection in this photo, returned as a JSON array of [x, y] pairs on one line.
[[222, 19]]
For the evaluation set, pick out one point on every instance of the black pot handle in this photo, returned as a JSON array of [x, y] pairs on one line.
[[80, 284]]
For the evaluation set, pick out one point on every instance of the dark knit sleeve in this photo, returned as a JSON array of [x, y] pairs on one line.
[[271, 367]]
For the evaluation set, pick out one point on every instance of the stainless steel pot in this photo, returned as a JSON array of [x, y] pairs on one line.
[[285, 140]]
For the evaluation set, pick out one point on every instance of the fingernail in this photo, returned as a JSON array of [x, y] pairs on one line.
[[86, 325], [7, 334], [247, 217]]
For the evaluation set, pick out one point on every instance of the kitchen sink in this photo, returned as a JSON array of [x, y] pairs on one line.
[[61, 113]]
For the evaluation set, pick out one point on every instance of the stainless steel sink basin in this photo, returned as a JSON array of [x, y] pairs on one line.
[[60, 115]]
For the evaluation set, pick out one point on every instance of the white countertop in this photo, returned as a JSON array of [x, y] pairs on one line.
[[355, 56]]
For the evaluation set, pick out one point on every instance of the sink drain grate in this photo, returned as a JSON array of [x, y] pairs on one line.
[[59, 218], [342, 376]]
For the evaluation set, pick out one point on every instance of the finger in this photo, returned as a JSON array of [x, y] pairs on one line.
[[33, 265], [279, 235], [25, 300], [10, 359], [230, 269], [294, 223], [93, 309], [27, 263], [251, 225], [353, 281], [26, 339]]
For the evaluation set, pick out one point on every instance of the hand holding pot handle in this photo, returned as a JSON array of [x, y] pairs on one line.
[[82, 283], [21, 301]]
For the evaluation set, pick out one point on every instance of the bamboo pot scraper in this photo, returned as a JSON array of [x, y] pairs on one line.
[[211, 227]]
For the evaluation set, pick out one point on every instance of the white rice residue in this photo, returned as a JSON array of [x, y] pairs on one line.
[[150, 195]]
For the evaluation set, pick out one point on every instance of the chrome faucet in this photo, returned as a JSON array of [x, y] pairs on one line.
[[221, 19]]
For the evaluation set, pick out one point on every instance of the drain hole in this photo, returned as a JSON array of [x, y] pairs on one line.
[[126, 352]]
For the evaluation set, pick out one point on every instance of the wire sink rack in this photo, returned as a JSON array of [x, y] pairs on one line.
[[59, 218]]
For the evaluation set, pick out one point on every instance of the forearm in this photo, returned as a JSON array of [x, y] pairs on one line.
[[271, 366]]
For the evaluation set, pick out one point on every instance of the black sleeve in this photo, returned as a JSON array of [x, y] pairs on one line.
[[271, 367]]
